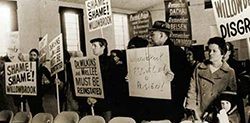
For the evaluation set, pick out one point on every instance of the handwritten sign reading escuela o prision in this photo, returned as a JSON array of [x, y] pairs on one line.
[[56, 55], [232, 18], [146, 72], [178, 17], [139, 23], [20, 78], [99, 14], [87, 77]]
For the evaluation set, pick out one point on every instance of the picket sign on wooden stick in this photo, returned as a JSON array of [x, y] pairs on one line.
[[21, 103], [56, 62], [57, 95]]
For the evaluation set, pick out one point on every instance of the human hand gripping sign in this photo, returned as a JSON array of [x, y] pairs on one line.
[[169, 74]]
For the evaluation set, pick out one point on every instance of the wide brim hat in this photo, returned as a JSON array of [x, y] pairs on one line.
[[161, 26]]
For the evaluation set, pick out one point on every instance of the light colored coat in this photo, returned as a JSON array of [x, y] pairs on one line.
[[206, 86]]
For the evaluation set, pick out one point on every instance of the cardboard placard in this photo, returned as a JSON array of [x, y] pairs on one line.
[[87, 77], [232, 18], [99, 14], [146, 72], [20, 78], [56, 55], [42, 49]]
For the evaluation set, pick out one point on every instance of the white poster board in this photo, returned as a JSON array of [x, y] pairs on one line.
[[56, 55], [42, 49], [20, 78], [99, 14], [87, 77], [146, 72], [13, 46], [232, 18]]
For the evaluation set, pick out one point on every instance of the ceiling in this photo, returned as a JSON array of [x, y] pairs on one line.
[[132, 5]]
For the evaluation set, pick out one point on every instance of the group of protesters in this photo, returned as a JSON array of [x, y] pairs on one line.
[[210, 90]]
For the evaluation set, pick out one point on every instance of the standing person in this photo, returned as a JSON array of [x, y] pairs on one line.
[[103, 106], [242, 78], [209, 79], [119, 85], [36, 102], [169, 109]]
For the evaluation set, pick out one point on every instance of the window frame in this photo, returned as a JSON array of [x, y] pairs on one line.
[[78, 11]]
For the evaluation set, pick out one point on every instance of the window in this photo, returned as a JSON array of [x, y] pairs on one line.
[[72, 29], [208, 4], [8, 23], [121, 31]]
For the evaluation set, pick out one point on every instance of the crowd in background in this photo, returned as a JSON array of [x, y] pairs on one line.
[[200, 88]]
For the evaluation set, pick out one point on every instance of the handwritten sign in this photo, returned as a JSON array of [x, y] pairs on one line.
[[13, 46], [87, 77], [232, 18], [179, 19], [146, 72], [42, 49], [20, 78], [56, 55], [139, 23], [99, 14]]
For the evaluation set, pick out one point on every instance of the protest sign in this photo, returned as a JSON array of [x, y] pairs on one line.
[[139, 23], [87, 77], [42, 49], [56, 55], [99, 14], [147, 68], [13, 46], [178, 16], [20, 78], [232, 18]]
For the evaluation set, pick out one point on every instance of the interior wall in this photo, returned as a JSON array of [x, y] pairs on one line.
[[39, 17], [158, 12]]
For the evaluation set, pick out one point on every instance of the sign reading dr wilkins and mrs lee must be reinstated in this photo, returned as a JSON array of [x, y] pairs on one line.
[[87, 77]]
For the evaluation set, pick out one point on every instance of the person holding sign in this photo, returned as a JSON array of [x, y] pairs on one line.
[[36, 102], [100, 49], [169, 109], [209, 79]]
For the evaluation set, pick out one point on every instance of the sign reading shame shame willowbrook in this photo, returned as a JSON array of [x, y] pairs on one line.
[[139, 23], [99, 14], [20, 78], [87, 77], [146, 71], [232, 18], [56, 55]]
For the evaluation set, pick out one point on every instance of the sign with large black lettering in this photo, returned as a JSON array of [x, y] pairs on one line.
[[232, 18], [56, 55], [99, 14], [87, 77], [147, 72], [20, 78], [178, 16], [139, 23]]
